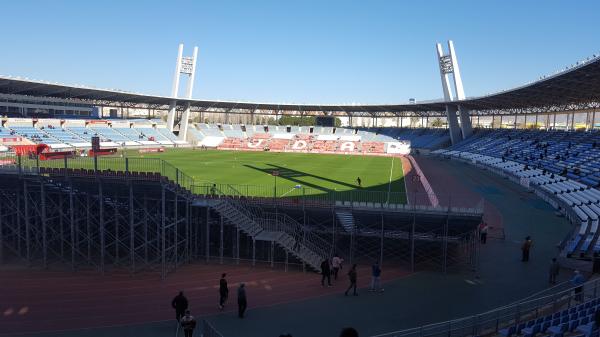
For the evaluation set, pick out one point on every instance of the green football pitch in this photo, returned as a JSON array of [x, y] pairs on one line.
[[312, 173], [251, 173]]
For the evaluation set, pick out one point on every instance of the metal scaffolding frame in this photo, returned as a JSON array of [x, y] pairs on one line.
[[94, 223]]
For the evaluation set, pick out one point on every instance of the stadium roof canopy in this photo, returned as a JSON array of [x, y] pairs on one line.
[[575, 88]]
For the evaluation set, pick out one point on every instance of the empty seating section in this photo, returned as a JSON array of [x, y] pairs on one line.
[[373, 147], [63, 136], [167, 134], [76, 133], [278, 144], [318, 138], [151, 134], [131, 134], [576, 321], [231, 144], [210, 130], [196, 134], [36, 135], [109, 134], [82, 132]]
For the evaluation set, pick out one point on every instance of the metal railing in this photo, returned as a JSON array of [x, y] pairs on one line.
[[277, 222], [492, 321], [284, 223]]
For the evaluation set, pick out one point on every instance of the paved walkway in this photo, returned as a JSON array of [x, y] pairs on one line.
[[419, 298]]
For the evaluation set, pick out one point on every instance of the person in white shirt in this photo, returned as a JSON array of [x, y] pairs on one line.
[[336, 262]]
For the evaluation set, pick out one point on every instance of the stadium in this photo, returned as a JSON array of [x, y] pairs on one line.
[[113, 202]]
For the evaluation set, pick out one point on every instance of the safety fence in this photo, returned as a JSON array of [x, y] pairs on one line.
[[560, 297]]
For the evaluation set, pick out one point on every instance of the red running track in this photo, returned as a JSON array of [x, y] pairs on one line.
[[36, 300], [451, 191]]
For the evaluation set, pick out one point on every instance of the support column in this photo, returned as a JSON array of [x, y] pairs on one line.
[[207, 241], [455, 136], [163, 237], [593, 120], [465, 122], [101, 226], [131, 230], [183, 124], [412, 242], [381, 241], [237, 245], [27, 222], [175, 90], [253, 252], [44, 225], [221, 248]]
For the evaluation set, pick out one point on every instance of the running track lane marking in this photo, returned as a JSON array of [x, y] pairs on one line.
[[423, 179]]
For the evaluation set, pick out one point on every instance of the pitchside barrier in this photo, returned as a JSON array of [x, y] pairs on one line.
[[530, 309], [157, 169]]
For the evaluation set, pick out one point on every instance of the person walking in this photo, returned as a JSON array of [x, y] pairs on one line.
[[376, 277], [359, 182], [526, 248], [325, 273], [180, 304], [352, 276], [242, 301], [188, 323], [336, 262], [554, 270], [578, 280], [223, 291], [483, 232]]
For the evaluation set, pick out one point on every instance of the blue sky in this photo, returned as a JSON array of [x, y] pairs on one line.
[[295, 51]]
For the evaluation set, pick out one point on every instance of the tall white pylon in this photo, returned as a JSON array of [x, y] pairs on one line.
[[185, 66], [449, 65]]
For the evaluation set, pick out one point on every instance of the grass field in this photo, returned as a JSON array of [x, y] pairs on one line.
[[251, 172], [314, 172]]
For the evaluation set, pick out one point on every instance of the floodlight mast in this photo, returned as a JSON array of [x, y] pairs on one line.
[[449, 65], [184, 66]]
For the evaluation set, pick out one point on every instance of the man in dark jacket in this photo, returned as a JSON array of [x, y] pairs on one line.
[[325, 273], [223, 291], [242, 302], [180, 304], [352, 276]]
